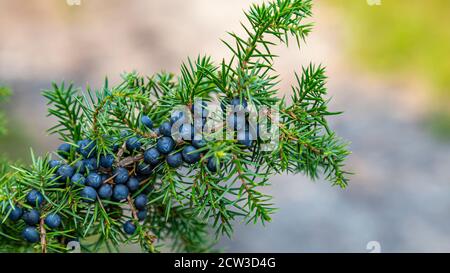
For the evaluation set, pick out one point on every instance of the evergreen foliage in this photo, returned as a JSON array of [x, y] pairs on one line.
[[123, 176]]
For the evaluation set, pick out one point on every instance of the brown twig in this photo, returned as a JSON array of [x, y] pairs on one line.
[[43, 236], [149, 237]]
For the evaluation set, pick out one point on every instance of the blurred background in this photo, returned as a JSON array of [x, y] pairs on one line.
[[388, 68]]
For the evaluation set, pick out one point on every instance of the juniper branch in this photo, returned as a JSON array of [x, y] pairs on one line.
[[220, 181]]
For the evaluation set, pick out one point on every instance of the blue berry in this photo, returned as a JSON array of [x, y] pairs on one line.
[[53, 220], [86, 148], [120, 192], [239, 104], [64, 150], [147, 122], [65, 172], [31, 217], [106, 161], [140, 202], [133, 144], [245, 138], [165, 145], [54, 163], [199, 142], [105, 191], [121, 175], [165, 129], [88, 194], [186, 131], [175, 160], [79, 166], [178, 115], [125, 133], [190, 154], [133, 184], [212, 165], [91, 164], [105, 177], [115, 147], [16, 212], [142, 214], [78, 179], [34, 198], [31, 235], [129, 227], [152, 156], [94, 180], [144, 169]]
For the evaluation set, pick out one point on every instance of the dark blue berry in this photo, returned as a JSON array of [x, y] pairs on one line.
[[140, 202], [53, 220], [175, 160], [245, 138], [31, 217], [88, 194], [65, 172], [212, 165], [165, 129], [190, 154], [31, 235], [78, 179], [199, 142], [79, 167], [152, 156], [147, 122], [91, 164], [120, 192], [239, 104], [16, 212], [142, 214], [54, 163], [178, 115], [121, 175], [144, 169], [64, 150], [94, 180], [115, 147], [105, 191], [165, 145], [106, 161], [129, 227], [133, 184], [133, 144], [186, 131], [125, 133], [86, 148], [105, 177], [34, 198]]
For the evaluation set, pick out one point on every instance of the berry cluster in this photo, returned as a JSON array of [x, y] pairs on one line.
[[32, 216], [96, 176]]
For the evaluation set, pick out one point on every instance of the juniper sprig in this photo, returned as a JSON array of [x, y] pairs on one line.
[[166, 159]]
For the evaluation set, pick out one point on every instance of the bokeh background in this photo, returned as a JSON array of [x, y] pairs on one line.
[[388, 68]]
